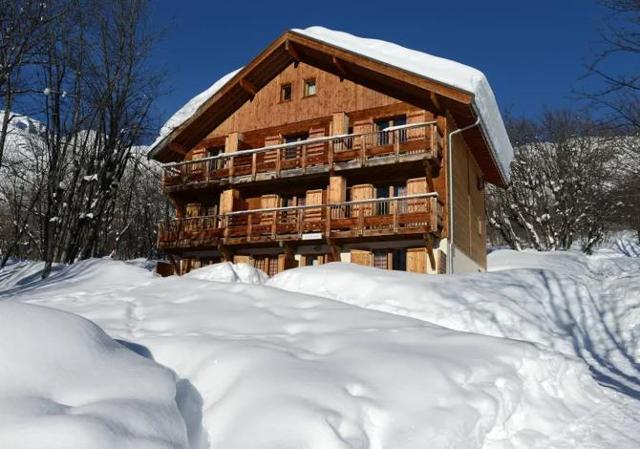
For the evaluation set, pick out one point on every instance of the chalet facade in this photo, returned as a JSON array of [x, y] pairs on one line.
[[317, 152]]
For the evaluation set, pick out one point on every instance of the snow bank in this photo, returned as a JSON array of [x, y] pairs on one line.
[[230, 273], [588, 307], [263, 367], [65, 383]]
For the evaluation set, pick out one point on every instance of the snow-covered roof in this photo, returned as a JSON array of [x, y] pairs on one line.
[[438, 69], [189, 109], [441, 70]]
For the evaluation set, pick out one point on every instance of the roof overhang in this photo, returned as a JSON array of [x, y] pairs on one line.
[[293, 48]]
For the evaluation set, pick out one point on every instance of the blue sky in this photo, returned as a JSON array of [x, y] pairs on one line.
[[532, 52]]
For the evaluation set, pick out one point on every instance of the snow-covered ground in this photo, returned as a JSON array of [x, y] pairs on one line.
[[540, 353]]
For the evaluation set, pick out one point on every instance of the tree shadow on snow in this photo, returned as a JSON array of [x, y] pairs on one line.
[[580, 308], [188, 400], [596, 330]]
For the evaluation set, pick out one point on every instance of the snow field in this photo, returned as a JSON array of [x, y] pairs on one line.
[[259, 366]]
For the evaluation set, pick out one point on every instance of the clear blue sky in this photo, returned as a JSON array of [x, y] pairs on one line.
[[532, 52]]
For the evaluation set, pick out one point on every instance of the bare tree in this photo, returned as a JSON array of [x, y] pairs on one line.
[[561, 186], [93, 89], [22, 24]]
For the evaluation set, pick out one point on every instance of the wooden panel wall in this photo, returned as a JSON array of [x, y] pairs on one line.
[[468, 204], [332, 96]]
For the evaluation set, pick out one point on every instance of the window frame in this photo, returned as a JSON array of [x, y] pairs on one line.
[[283, 86], [305, 88]]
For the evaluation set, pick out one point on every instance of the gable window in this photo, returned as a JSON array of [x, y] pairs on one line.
[[286, 92], [309, 87]]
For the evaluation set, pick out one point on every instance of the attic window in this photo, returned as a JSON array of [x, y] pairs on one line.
[[309, 87], [285, 92]]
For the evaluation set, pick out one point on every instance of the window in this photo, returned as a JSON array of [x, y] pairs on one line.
[[309, 87], [286, 92], [387, 137], [381, 259], [292, 151], [214, 151]]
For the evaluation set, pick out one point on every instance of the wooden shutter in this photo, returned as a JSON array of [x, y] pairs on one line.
[[416, 186], [337, 189], [314, 198], [362, 257], [417, 260], [316, 152], [269, 157], [268, 202], [361, 127], [362, 192]]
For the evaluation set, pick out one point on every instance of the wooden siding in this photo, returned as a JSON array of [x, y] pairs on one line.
[[468, 204], [333, 96]]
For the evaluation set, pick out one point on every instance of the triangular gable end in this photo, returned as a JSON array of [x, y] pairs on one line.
[[295, 48]]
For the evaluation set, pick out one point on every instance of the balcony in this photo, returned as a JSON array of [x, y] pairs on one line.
[[393, 145], [186, 233], [408, 215]]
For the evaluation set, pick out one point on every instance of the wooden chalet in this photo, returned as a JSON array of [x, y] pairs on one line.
[[315, 153]]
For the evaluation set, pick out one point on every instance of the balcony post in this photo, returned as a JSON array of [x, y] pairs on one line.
[[278, 161], [304, 159], [396, 144], [395, 215], [254, 166]]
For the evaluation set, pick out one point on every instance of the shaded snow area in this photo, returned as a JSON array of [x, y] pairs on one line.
[[65, 384], [540, 353]]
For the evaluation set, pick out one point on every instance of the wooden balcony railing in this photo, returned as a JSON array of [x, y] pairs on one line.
[[195, 232], [412, 214], [395, 144]]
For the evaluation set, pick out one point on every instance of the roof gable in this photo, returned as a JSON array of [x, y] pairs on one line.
[[408, 75]]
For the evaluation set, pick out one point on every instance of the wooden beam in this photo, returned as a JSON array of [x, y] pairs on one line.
[[436, 102], [225, 253], [429, 241], [177, 148], [248, 87], [293, 52], [340, 67], [334, 250]]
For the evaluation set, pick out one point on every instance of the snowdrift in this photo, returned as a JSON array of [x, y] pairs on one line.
[[322, 357], [64, 383], [230, 273], [588, 307]]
